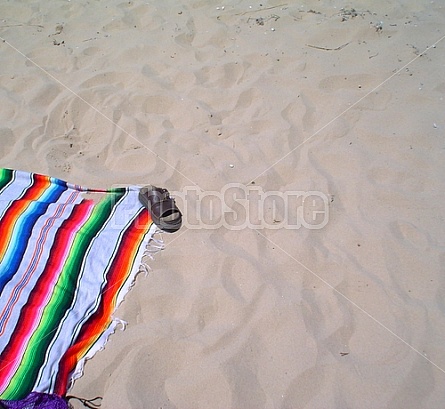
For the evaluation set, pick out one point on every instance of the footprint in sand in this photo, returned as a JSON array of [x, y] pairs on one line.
[[361, 84], [8, 141], [186, 38], [301, 113], [408, 232], [222, 76]]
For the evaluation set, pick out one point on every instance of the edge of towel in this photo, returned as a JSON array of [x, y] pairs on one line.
[[153, 245]]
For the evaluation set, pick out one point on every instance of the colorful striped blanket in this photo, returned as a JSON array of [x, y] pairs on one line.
[[65, 264]]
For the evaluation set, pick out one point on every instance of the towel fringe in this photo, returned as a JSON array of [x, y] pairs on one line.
[[88, 403], [153, 246]]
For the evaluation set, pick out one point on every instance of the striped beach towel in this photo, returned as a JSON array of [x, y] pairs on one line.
[[66, 261]]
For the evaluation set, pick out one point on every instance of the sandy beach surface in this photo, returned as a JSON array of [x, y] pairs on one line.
[[334, 302]]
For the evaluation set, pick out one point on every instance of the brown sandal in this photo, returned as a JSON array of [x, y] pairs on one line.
[[162, 208]]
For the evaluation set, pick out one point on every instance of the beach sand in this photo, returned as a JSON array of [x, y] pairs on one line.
[[346, 100]]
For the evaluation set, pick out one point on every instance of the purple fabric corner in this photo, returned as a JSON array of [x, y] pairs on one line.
[[36, 400]]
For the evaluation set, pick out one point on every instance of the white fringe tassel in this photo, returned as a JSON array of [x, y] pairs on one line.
[[153, 246]]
